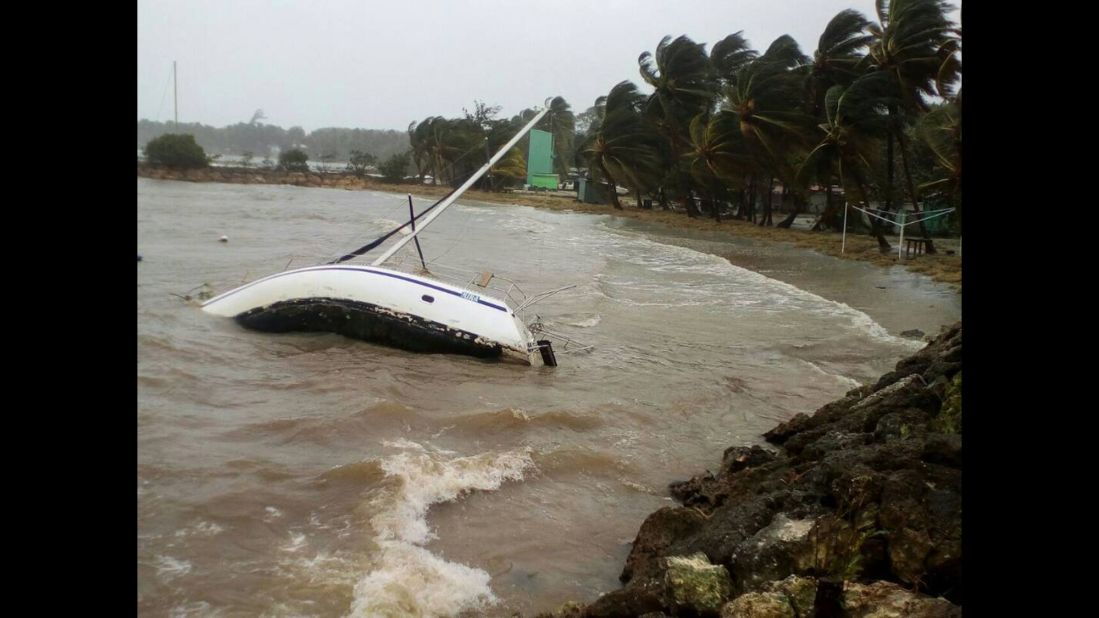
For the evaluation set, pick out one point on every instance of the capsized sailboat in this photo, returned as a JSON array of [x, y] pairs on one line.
[[413, 311]]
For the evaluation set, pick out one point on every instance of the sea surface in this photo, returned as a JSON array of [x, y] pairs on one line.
[[315, 475]]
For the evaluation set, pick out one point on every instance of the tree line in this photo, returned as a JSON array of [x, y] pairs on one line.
[[261, 139], [874, 113], [451, 150]]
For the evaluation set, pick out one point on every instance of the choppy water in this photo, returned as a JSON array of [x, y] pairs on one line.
[[309, 474]]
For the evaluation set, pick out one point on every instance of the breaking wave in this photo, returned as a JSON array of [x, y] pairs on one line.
[[407, 579]]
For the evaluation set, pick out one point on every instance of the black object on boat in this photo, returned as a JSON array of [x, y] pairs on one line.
[[546, 348]]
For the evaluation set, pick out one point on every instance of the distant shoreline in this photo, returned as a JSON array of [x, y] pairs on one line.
[[941, 267]]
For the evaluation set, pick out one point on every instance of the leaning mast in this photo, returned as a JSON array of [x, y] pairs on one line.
[[466, 185]]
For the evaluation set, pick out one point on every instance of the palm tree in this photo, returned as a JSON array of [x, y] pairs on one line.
[[718, 156], [684, 85], [765, 97], [839, 54], [464, 149], [856, 121], [950, 68], [907, 42], [511, 168], [560, 122], [682, 78], [940, 129], [621, 147], [430, 148], [446, 147], [837, 61], [417, 140], [729, 56]]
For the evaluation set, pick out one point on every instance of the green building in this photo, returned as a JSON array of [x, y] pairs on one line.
[[540, 161]]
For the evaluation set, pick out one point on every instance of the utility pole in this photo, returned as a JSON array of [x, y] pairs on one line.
[[175, 93]]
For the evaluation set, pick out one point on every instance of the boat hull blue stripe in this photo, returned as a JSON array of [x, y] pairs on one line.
[[373, 272]]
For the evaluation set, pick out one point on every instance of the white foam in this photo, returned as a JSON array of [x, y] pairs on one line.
[[169, 568], [407, 578], [202, 528], [414, 582], [841, 378], [733, 285], [328, 568], [198, 608], [297, 541], [427, 479], [587, 323], [639, 487], [404, 443]]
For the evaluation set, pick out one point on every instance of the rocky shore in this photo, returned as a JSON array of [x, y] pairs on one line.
[[856, 512]]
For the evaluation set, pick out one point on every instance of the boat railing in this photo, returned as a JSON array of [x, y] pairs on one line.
[[568, 344], [504, 287]]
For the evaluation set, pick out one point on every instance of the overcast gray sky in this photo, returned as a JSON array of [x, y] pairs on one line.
[[385, 63]]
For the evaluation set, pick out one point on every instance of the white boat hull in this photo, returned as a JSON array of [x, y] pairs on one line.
[[380, 305]]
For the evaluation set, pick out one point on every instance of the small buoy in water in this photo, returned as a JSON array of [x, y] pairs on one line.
[[223, 239], [138, 257]]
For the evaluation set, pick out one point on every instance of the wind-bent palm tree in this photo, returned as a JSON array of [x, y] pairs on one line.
[[837, 61], [718, 156], [907, 42], [856, 121], [729, 55], [445, 147], [684, 85], [941, 130], [838, 58], [466, 149], [622, 147], [765, 99], [561, 123], [511, 168], [948, 79], [417, 139], [430, 147]]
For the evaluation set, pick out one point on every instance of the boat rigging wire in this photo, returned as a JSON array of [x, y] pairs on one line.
[[367, 247], [447, 200], [374, 243]]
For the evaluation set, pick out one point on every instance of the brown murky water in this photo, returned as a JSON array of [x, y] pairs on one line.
[[313, 475]]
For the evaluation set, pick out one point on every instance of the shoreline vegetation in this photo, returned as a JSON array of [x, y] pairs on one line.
[[939, 267], [872, 118], [852, 511]]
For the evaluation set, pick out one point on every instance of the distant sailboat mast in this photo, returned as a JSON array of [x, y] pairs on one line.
[[175, 93]]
